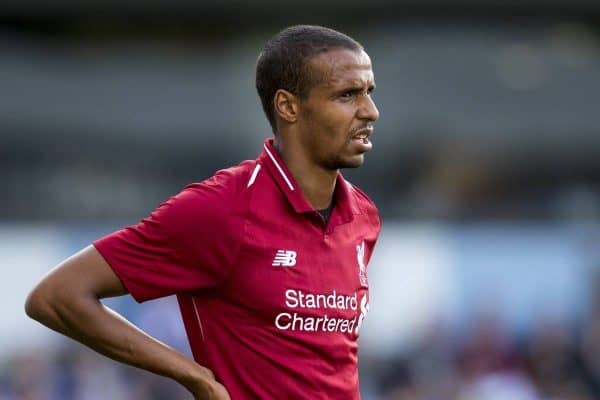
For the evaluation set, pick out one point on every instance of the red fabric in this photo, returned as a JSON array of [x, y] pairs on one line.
[[270, 297]]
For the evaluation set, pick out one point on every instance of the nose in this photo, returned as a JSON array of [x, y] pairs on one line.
[[368, 110]]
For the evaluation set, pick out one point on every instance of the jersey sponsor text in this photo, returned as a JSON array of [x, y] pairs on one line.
[[298, 299]]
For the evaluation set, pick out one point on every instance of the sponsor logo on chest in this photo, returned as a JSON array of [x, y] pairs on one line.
[[297, 302], [284, 258]]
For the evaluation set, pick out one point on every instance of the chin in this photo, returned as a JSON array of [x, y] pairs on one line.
[[352, 162]]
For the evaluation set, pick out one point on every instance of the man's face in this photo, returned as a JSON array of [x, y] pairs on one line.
[[336, 119]]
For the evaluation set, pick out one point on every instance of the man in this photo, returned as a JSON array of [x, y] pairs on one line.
[[268, 259]]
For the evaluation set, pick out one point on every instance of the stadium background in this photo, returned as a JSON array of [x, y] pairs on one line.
[[486, 168]]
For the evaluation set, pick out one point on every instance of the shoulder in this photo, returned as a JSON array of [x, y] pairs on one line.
[[223, 187], [211, 200], [231, 179], [365, 204]]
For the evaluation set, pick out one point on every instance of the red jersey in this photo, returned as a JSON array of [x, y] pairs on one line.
[[271, 296]]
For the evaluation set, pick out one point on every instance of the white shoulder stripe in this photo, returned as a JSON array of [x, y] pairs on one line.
[[279, 168], [254, 174]]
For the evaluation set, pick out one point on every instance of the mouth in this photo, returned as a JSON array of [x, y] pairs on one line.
[[360, 139], [363, 134]]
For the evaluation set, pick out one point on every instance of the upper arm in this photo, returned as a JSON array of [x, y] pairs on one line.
[[186, 245], [86, 274]]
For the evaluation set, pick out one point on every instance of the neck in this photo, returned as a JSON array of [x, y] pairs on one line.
[[317, 184]]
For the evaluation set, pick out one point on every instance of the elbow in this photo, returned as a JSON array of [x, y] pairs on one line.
[[46, 303], [55, 306], [37, 305]]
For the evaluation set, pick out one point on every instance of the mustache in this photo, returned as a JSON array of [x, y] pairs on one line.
[[364, 126]]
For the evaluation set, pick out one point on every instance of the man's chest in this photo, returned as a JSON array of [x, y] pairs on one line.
[[295, 277]]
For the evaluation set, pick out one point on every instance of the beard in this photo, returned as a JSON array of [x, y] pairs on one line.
[[345, 158]]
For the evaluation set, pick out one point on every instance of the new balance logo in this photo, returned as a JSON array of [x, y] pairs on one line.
[[284, 258]]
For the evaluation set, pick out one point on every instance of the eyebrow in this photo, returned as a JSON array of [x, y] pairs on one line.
[[355, 86]]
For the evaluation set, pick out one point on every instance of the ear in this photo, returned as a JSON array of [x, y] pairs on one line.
[[286, 105]]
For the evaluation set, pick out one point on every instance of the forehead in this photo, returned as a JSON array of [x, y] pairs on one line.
[[342, 67]]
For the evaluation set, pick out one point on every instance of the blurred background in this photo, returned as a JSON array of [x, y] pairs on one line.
[[485, 284]]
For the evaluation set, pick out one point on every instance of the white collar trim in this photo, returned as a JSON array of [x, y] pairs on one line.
[[279, 169]]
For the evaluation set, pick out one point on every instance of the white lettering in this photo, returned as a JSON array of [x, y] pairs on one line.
[[277, 321], [344, 326], [298, 299], [309, 324], [353, 303], [291, 301], [331, 300], [310, 301], [319, 321], [301, 298], [331, 325], [299, 320], [351, 325]]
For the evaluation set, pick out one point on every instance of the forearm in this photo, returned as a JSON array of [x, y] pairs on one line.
[[88, 321]]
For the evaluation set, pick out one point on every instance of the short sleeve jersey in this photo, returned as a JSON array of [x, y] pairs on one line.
[[272, 296]]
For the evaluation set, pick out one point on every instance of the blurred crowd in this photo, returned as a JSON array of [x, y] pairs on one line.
[[74, 373], [67, 370], [554, 360]]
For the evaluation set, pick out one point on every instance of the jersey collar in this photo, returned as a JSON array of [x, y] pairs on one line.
[[345, 207]]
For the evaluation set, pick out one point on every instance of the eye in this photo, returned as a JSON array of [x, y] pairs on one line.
[[347, 94]]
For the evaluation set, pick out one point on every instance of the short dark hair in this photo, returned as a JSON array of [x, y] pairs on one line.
[[282, 64]]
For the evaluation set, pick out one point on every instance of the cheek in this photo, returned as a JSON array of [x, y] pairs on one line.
[[329, 126], [337, 121], [334, 136]]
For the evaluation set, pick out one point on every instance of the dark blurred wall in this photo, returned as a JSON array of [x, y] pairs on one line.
[[487, 109]]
